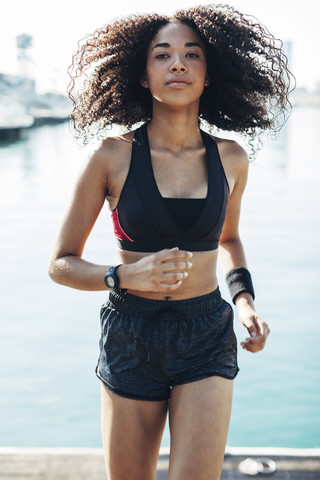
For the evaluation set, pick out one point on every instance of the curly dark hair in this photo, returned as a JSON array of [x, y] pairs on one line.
[[249, 77]]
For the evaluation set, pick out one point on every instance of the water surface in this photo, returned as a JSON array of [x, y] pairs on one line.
[[49, 334]]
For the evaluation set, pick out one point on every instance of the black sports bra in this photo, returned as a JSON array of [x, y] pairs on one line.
[[143, 220], [185, 211]]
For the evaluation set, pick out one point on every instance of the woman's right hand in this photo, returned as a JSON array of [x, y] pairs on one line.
[[162, 271]]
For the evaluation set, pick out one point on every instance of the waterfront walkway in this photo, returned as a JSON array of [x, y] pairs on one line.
[[87, 464]]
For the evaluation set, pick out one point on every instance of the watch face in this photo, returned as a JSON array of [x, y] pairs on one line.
[[111, 279], [110, 282]]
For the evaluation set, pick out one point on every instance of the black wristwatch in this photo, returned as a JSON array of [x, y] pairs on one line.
[[111, 279]]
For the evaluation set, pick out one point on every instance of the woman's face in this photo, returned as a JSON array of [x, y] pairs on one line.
[[176, 72]]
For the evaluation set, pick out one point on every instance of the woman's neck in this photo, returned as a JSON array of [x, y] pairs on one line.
[[177, 130]]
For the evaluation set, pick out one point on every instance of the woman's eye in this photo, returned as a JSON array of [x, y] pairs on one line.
[[162, 55], [193, 55]]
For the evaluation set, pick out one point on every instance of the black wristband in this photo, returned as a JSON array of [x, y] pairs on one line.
[[239, 281]]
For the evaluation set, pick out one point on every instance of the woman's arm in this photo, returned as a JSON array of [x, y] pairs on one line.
[[231, 251], [66, 265], [160, 272]]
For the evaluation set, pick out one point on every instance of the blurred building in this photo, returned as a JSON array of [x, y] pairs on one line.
[[20, 105]]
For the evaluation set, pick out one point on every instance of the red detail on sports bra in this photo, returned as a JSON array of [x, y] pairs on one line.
[[119, 233]]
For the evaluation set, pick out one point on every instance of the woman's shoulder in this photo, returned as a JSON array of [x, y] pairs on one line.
[[112, 153], [234, 159], [232, 153], [111, 161], [112, 148], [231, 149]]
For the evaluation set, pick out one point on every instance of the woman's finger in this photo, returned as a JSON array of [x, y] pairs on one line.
[[169, 278], [172, 254], [176, 266]]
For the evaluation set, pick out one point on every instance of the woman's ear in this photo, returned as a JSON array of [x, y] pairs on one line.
[[207, 80], [144, 81]]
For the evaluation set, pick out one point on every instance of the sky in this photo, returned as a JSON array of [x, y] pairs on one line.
[[57, 26]]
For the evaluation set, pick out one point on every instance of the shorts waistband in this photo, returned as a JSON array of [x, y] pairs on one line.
[[145, 307]]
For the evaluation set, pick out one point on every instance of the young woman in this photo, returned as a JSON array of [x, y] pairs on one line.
[[175, 193]]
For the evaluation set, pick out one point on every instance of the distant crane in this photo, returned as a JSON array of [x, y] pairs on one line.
[[24, 43]]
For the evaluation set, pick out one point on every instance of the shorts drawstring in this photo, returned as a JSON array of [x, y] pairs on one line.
[[151, 323]]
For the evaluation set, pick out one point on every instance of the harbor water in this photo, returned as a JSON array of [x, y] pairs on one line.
[[49, 394]]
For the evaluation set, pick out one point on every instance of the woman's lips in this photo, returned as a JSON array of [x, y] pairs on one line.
[[178, 82]]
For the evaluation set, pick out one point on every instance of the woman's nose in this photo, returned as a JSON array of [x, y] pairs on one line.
[[178, 67]]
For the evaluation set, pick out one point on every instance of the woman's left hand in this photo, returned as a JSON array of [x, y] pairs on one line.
[[258, 331], [257, 328]]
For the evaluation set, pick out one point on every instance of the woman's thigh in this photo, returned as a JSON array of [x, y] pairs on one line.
[[131, 435], [199, 415]]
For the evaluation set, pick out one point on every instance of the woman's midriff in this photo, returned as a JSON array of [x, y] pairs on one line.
[[201, 280]]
